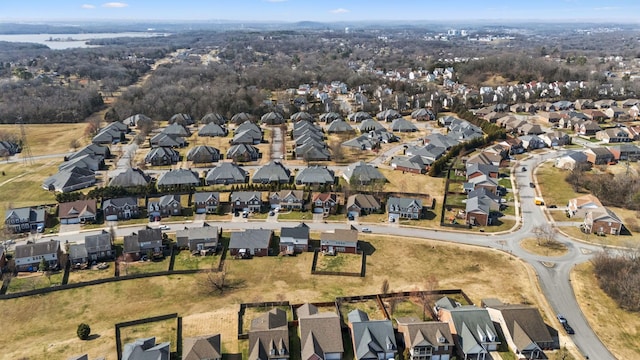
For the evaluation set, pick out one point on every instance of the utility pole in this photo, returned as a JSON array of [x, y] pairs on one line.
[[26, 151]]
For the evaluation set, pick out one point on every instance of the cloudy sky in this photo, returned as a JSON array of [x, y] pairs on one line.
[[324, 10]]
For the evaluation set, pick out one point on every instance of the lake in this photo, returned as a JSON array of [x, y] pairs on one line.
[[67, 41]]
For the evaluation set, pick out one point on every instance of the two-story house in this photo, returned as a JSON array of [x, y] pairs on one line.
[[120, 208], [206, 202], [324, 203], [426, 340], [269, 336], [28, 257], [145, 243], [372, 339], [246, 201], [294, 239], [287, 199], [167, 205], [26, 219], [404, 208]]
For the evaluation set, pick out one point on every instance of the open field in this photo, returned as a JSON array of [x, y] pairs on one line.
[[618, 329], [44, 139], [51, 334], [554, 189]]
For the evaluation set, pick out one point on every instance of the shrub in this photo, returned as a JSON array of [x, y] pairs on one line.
[[83, 331]]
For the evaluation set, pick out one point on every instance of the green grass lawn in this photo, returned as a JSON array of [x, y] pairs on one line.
[[295, 215], [34, 281], [340, 262], [185, 261], [505, 182], [552, 184]]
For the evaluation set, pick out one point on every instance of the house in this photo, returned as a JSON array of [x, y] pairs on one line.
[[339, 126], [203, 154], [269, 336], [372, 339], [482, 181], [320, 334], [478, 211], [370, 125], [243, 153], [179, 177], [599, 156], [251, 242], [167, 140], [108, 135], [478, 169], [130, 178], [94, 150], [363, 174], [625, 152], [532, 142], [439, 140], [315, 176], [178, 129], [578, 206], [227, 173], [556, 138], [28, 257], [146, 243], [143, 349], [413, 164], [85, 161], [402, 125], [136, 119], [324, 203], [181, 119], [246, 201], [167, 205], [205, 347], [339, 241], [70, 179], [613, 135], [403, 208], [77, 212], [247, 137], [213, 129], [78, 255], [487, 158], [523, 328], [206, 202], [473, 331], [199, 240], [602, 221], [493, 200], [570, 161], [362, 204], [120, 209], [272, 172], [294, 239], [162, 156], [99, 246], [312, 151], [26, 219], [514, 145], [588, 128], [426, 340], [287, 199]]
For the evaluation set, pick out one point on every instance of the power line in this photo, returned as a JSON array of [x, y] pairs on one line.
[[26, 150]]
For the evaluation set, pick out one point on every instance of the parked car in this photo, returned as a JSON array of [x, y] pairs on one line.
[[164, 227], [271, 213], [561, 318], [532, 185], [365, 230], [553, 206], [524, 168], [568, 328]]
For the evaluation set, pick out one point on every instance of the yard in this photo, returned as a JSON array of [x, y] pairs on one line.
[[143, 267], [32, 281], [162, 330], [340, 262], [21, 184], [368, 306], [552, 185], [76, 276], [52, 333], [185, 261], [251, 313], [44, 139]]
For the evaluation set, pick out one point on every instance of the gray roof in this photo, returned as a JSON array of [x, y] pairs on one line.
[[26, 213], [204, 196], [370, 124], [248, 125], [470, 323], [395, 204], [130, 177], [363, 172], [362, 142], [302, 115], [485, 169], [403, 125], [478, 204], [133, 120], [202, 347], [146, 349], [440, 140], [85, 161], [269, 332], [428, 151], [330, 116], [388, 115], [212, 129], [424, 333], [315, 175], [144, 240], [247, 136], [240, 151], [160, 153], [176, 129], [181, 118], [179, 177], [98, 242], [272, 118], [37, 249], [203, 154], [339, 126], [410, 162], [227, 173], [313, 151], [244, 196], [300, 231], [167, 140], [92, 149], [250, 239], [120, 202], [363, 201], [241, 118], [78, 251], [525, 324], [273, 171], [213, 118], [319, 332], [71, 178], [359, 116], [168, 199], [371, 337]]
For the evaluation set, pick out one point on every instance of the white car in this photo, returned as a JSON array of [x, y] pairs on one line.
[[164, 227], [365, 230]]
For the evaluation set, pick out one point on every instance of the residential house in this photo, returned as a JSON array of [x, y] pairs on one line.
[[439, 140], [26, 219], [530, 129], [227, 173], [362, 204], [426, 340], [599, 156], [523, 328], [577, 207], [602, 221], [206, 202], [130, 178], [120, 209], [362, 142], [294, 239], [312, 151], [370, 125], [402, 125], [246, 201], [269, 336], [339, 241], [340, 126], [181, 119], [28, 257], [203, 154], [247, 137], [99, 247], [625, 152], [272, 172], [485, 158], [315, 176], [514, 145], [372, 339], [146, 243], [473, 331], [162, 156], [487, 197], [143, 349], [213, 129], [243, 153], [94, 150], [478, 211], [324, 203], [532, 142], [613, 135], [587, 128], [108, 135], [363, 174], [70, 179], [555, 138], [177, 129], [251, 242], [482, 181], [415, 164], [167, 205], [202, 240], [570, 161], [478, 169], [85, 162], [320, 334], [167, 140], [206, 347], [77, 212], [179, 177], [287, 199], [78, 255], [404, 208]]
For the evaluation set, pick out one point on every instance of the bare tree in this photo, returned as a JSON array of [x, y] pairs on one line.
[[384, 289], [425, 297], [393, 304], [215, 282], [545, 234]]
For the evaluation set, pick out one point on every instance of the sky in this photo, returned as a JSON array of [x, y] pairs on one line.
[[322, 10]]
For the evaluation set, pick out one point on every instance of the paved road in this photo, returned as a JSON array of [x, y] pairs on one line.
[[553, 273]]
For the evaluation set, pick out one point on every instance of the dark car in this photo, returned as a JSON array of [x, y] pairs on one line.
[[568, 328], [552, 206], [524, 168], [532, 185]]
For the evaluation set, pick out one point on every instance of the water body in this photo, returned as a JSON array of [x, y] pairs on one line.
[[67, 41]]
